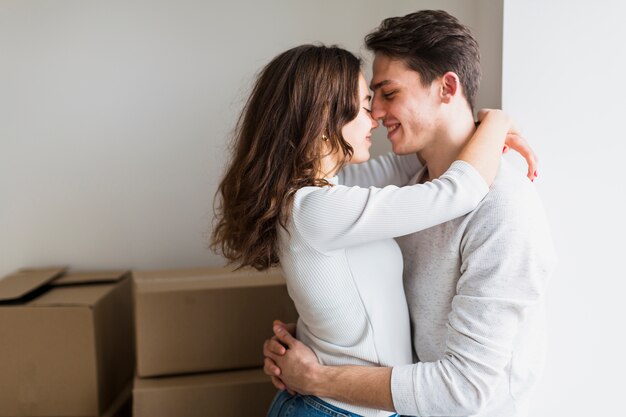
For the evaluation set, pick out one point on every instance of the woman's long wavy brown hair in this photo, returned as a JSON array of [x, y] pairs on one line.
[[302, 94]]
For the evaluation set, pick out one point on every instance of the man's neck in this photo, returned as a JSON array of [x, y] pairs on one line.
[[446, 146]]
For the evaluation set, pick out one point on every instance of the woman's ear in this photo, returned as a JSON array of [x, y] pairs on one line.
[[450, 86]]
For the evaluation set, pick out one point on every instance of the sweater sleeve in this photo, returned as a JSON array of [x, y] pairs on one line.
[[506, 259], [331, 218], [387, 169]]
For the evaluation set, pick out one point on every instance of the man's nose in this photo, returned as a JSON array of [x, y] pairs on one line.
[[374, 121], [378, 111]]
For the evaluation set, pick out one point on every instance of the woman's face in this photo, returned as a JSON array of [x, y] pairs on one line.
[[358, 132]]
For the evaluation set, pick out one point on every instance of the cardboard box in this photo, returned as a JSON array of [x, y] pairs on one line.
[[66, 342], [224, 394], [209, 319], [122, 406]]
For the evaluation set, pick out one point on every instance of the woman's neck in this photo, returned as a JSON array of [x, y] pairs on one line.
[[328, 165]]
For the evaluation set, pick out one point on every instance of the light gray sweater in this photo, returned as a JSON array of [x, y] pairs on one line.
[[475, 288]]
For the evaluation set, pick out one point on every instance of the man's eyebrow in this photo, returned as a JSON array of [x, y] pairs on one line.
[[376, 86]]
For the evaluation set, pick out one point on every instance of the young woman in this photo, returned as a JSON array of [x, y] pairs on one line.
[[281, 203]]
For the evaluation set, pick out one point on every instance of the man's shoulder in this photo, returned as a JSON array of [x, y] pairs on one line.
[[512, 199], [511, 186], [510, 223]]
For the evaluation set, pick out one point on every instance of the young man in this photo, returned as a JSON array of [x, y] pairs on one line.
[[475, 285]]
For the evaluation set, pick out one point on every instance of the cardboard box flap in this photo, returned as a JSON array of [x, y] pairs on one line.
[[205, 278], [187, 273], [87, 277], [20, 283], [73, 295], [255, 375]]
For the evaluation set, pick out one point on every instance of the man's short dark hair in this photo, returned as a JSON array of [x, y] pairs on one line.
[[431, 42]]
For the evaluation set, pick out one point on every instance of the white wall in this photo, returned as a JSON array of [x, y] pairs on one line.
[[563, 80], [114, 116]]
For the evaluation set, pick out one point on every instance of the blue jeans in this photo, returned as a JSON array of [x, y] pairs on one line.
[[286, 405]]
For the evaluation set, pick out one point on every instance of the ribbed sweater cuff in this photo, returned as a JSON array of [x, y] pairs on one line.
[[403, 390]]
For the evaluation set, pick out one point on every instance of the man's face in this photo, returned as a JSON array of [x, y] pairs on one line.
[[409, 111]]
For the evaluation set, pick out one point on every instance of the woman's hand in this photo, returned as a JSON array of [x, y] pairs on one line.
[[514, 140], [289, 362], [273, 346], [517, 142]]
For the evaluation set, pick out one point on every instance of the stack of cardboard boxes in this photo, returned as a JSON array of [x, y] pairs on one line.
[[199, 336], [66, 343], [70, 346]]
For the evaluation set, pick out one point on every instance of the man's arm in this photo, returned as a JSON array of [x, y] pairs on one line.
[[292, 365], [506, 261]]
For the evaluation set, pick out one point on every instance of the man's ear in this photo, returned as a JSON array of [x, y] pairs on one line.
[[450, 86]]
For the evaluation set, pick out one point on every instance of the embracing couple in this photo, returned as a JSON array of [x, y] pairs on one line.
[[419, 276]]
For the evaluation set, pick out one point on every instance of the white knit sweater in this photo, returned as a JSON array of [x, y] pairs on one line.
[[343, 268]]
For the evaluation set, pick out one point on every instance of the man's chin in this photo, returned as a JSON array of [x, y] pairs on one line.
[[401, 150]]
